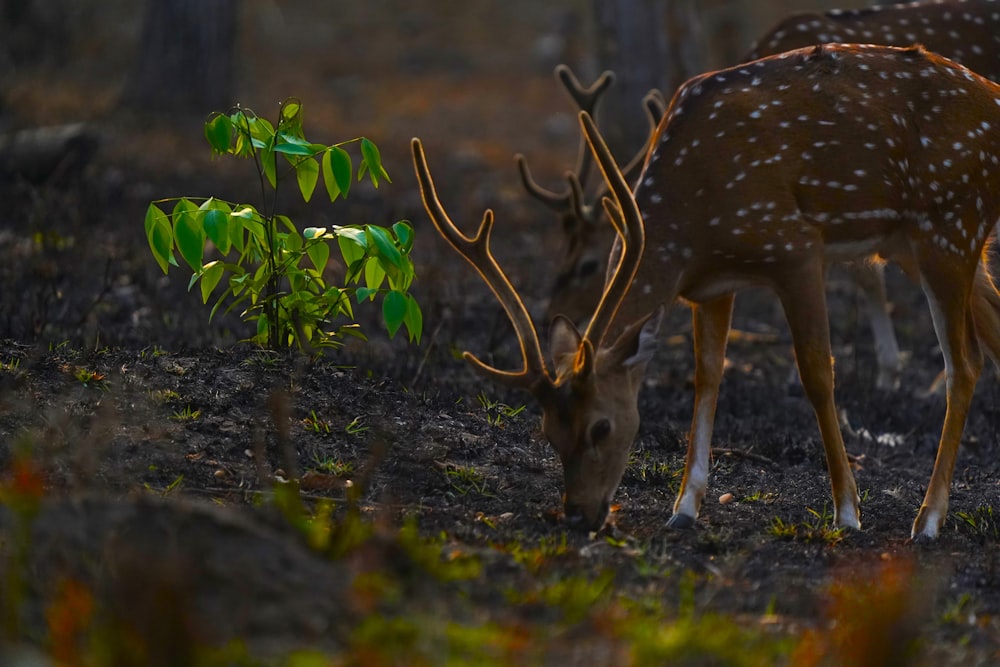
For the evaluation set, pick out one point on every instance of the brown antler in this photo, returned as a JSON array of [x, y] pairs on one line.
[[586, 99], [655, 106], [476, 250], [624, 215]]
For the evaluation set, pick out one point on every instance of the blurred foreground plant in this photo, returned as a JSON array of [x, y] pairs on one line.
[[263, 255]]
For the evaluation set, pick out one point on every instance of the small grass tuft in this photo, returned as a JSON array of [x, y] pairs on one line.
[[356, 426], [187, 414], [332, 466], [87, 377], [162, 396], [648, 469], [497, 413], [315, 423], [981, 524], [535, 558], [766, 497], [466, 479], [818, 529]]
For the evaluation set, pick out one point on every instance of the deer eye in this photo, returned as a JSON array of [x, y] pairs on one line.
[[599, 430]]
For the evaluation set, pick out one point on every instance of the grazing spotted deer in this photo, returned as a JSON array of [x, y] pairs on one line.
[[760, 175], [965, 31]]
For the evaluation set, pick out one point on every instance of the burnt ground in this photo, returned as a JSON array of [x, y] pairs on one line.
[[160, 441], [429, 530]]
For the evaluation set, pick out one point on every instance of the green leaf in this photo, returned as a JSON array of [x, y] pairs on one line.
[[353, 232], [216, 225], [267, 159], [319, 253], [287, 222], [236, 229], [352, 251], [382, 240], [374, 274], [373, 161], [394, 308], [262, 131], [219, 132], [160, 236], [292, 242], [310, 233], [291, 117], [363, 293], [404, 232], [189, 233], [337, 171], [414, 319], [341, 300], [307, 173], [290, 146], [332, 189], [213, 204]]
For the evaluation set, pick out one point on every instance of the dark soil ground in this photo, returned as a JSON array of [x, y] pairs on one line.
[[162, 444]]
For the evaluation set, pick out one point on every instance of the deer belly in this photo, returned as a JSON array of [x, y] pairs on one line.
[[845, 251]]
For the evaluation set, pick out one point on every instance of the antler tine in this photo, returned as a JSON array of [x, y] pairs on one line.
[[655, 107], [476, 250], [624, 213], [559, 203], [586, 99], [580, 210]]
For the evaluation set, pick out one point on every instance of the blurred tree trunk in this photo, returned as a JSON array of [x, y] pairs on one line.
[[185, 59], [648, 44]]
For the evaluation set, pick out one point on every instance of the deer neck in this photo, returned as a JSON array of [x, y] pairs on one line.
[[657, 282]]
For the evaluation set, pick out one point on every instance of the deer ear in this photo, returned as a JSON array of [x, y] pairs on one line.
[[564, 339], [636, 345]]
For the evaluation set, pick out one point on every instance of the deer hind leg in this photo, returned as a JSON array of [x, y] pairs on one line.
[[711, 323], [803, 297], [986, 312], [948, 287], [870, 277]]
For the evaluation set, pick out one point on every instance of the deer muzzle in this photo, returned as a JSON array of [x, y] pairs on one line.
[[580, 517]]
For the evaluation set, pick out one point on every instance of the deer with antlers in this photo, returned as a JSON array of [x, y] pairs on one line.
[[967, 31], [760, 175]]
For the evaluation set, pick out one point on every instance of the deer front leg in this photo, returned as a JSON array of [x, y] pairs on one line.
[[804, 301], [711, 331]]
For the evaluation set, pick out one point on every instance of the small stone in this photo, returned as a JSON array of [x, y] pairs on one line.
[[726, 498]]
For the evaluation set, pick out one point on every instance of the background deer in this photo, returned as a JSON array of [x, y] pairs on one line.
[[587, 236], [760, 175], [965, 31], [962, 30]]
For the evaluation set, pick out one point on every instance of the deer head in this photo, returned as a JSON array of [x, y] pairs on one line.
[[589, 399], [586, 235]]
